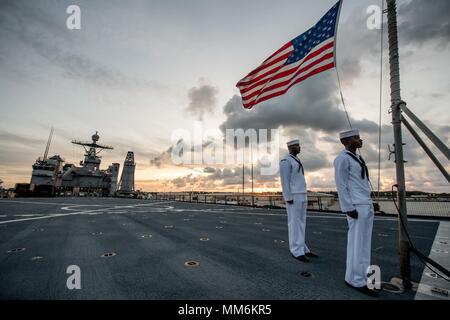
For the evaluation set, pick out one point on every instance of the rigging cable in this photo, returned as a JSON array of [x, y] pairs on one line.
[[342, 99], [335, 66], [419, 254]]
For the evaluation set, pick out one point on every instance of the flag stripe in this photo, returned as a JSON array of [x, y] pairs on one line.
[[243, 86], [286, 85], [284, 49], [302, 76], [287, 45], [279, 93], [287, 70], [282, 81], [279, 60], [264, 72]]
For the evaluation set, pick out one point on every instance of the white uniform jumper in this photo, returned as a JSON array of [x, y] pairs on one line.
[[352, 183], [294, 188]]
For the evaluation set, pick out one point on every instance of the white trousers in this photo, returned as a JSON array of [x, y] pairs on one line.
[[359, 243], [296, 214]]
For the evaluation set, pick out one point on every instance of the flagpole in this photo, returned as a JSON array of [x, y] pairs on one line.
[[336, 32], [396, 104]]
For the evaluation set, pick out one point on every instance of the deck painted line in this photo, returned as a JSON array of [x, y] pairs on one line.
[[65, 214], [424, 291], [36, 202], [28, 215], [49, 216], [74, 207]]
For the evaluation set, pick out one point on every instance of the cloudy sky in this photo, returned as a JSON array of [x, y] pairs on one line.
[[137, 71]]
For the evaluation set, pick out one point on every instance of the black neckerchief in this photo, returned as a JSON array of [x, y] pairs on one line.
[[362, 163], [300, 166]]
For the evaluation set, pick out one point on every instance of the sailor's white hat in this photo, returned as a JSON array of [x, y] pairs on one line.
[[293, 142], [348, 133]]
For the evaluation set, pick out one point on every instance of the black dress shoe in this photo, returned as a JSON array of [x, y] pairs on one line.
[[364, 290], [311, 255], [301, 258]]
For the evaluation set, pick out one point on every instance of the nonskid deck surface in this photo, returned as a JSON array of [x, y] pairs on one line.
[[176, 250]]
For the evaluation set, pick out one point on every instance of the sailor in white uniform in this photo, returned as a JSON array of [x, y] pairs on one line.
[[352, 183], [295, 195]]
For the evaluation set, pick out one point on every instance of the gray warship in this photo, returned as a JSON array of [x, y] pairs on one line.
[[51, 176]]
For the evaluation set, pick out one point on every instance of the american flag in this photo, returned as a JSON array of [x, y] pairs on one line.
[[309, 54]]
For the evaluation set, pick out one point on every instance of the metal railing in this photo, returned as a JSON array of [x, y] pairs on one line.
[[431, 206]]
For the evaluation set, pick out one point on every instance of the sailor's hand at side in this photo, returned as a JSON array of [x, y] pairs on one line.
[[352, 214], [376, 207]]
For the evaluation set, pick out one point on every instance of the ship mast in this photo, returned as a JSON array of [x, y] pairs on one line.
[[91, 158], [48, 144], [92, 145]]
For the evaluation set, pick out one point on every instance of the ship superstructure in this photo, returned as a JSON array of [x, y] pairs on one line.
[[126, 185], [46, 174], [50, 176], [88, 178]]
